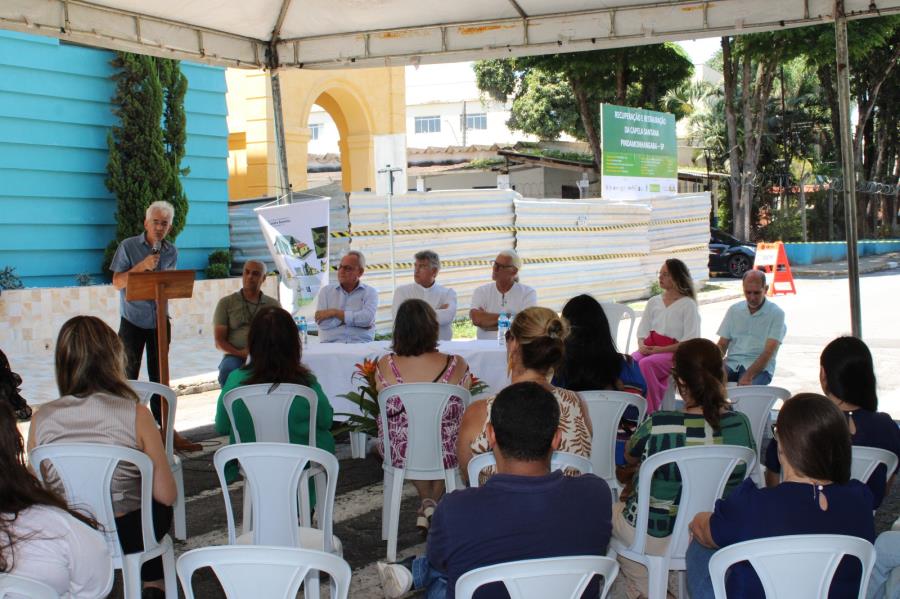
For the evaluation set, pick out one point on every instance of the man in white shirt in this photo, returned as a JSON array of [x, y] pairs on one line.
[[505, 294], [441, 298], [345, 312]]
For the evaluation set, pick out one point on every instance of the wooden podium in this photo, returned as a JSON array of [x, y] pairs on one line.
[[161, 286]]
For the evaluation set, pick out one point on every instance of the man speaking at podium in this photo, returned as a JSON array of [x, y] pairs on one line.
[[137, 327]]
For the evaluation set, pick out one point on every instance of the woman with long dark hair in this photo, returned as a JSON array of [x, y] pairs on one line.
[[847, 376], [669, 318], [40, 536], [97, 405], [816, 496], [275, 353], [706, 419], [591, 360]]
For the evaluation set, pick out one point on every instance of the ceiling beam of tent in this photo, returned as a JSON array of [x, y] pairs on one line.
[[842, 60], [278, 112], [628, 24], [518, 9]]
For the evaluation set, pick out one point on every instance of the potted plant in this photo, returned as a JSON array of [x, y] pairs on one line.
[[361, 425]]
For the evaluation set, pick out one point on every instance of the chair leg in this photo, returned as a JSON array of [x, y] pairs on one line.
[[386, 502], [394, 516], [450, 478], [247, 523], [180, 517], [131, 576], [169, 574], [305, 507], [657, 577], [311, 585]]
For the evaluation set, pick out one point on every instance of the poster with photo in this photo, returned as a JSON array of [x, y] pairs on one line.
[[297, 236]]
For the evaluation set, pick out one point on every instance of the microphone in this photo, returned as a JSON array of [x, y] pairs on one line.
[[157, 248]]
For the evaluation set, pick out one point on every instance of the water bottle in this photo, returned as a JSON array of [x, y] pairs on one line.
[[304, 331], [502, 328]]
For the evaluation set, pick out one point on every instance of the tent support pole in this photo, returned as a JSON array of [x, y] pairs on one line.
[[280, 147], [842, 60]]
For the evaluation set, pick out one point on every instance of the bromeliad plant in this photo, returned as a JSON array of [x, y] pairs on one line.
[[366, 397], [477, 387]]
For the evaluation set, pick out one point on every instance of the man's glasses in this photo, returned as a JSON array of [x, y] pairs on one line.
[[497, 265]]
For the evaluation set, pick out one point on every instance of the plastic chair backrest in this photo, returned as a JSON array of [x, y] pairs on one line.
[[615, 313], [606, 409], [145, 390], [560, 460], [13, 584], [557, 577], [424, 404], [269, 410], [263, 571], [705, 470], [793, 567], [86, 471], [866, 459], [755, 402], [273, 471]]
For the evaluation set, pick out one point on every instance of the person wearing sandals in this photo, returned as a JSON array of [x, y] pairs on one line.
[[416, 359]]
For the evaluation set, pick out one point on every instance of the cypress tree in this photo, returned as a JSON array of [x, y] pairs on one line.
[[144, 158]]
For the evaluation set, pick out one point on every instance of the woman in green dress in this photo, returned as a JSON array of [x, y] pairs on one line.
[[275, 353]]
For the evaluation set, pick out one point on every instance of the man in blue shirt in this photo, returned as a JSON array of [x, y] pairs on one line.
[[522, 512], [137, 325], [345, 312], [751, 333]]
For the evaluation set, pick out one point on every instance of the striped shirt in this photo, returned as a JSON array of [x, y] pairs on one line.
[[669, 430]]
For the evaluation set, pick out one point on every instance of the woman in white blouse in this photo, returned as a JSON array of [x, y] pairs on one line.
[[669, 318]]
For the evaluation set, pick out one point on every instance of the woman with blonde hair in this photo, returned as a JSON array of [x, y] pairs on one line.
[[535, 345], [97, 405]]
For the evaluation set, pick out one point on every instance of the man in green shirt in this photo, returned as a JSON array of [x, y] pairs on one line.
[[231, 320]]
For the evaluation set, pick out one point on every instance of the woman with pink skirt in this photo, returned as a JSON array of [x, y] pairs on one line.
[[669, 318]]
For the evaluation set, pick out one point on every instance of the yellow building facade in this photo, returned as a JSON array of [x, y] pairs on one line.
[[367, 105]]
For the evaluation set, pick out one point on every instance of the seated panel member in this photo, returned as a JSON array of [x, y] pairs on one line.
[[231, 320], [505, 294], [442, 299], [345, 312]]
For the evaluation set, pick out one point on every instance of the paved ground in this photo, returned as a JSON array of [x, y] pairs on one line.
[[815, 315]]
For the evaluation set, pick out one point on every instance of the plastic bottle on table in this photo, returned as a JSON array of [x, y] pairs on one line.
[[303, 328], [502, 328]]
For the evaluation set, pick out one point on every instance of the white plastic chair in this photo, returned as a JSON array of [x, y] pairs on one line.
[[274, 472], [866, 459], [269, 409], [560, 460], [705, 470], [86, 471], [251, 571], [755, 402], [606, 409], [793, 567], [146, 390], [557, 577], [425, 404], [15, 585], [615, 314]]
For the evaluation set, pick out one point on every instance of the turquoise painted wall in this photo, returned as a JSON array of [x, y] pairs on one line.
[[56, 215]]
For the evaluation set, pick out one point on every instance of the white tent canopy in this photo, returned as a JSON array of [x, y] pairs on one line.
[[341, 33]]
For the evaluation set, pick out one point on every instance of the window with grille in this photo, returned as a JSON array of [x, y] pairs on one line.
[[476, 121], [314, 130], [428, 124]]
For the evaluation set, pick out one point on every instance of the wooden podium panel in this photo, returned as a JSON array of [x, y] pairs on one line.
[[175, 284]]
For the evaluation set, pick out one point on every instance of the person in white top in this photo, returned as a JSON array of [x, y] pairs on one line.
[[505, 294], [442, 299], [668, 319], [40, 537]]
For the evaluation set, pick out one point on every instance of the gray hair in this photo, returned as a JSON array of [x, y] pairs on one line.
[[359, 257], [756, 273], [431, 256], [161, 206], [512, 255], [265, 269]]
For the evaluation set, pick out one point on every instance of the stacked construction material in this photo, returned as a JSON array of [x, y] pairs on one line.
[[679, 228]]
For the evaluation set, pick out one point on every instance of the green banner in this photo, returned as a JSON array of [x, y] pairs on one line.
[[640, 148]]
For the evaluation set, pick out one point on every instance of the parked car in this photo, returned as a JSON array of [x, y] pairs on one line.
[[728, 255]]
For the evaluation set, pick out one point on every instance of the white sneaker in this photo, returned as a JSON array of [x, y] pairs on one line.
[[395, 580]]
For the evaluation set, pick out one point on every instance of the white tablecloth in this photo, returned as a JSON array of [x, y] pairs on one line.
[[334, 364]]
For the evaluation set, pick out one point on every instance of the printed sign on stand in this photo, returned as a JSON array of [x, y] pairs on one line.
[[772, 260], [297, 236], [640, 153]]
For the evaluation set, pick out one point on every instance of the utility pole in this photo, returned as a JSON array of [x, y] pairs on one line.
[[390, 198]]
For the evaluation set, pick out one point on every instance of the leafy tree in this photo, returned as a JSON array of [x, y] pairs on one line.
[[562, 93], [144, 156]]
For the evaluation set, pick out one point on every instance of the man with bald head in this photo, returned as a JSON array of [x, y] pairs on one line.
[[751, 333], [231, 320]]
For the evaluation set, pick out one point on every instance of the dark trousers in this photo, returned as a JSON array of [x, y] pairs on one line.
[[128, 527], [134, 338]]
